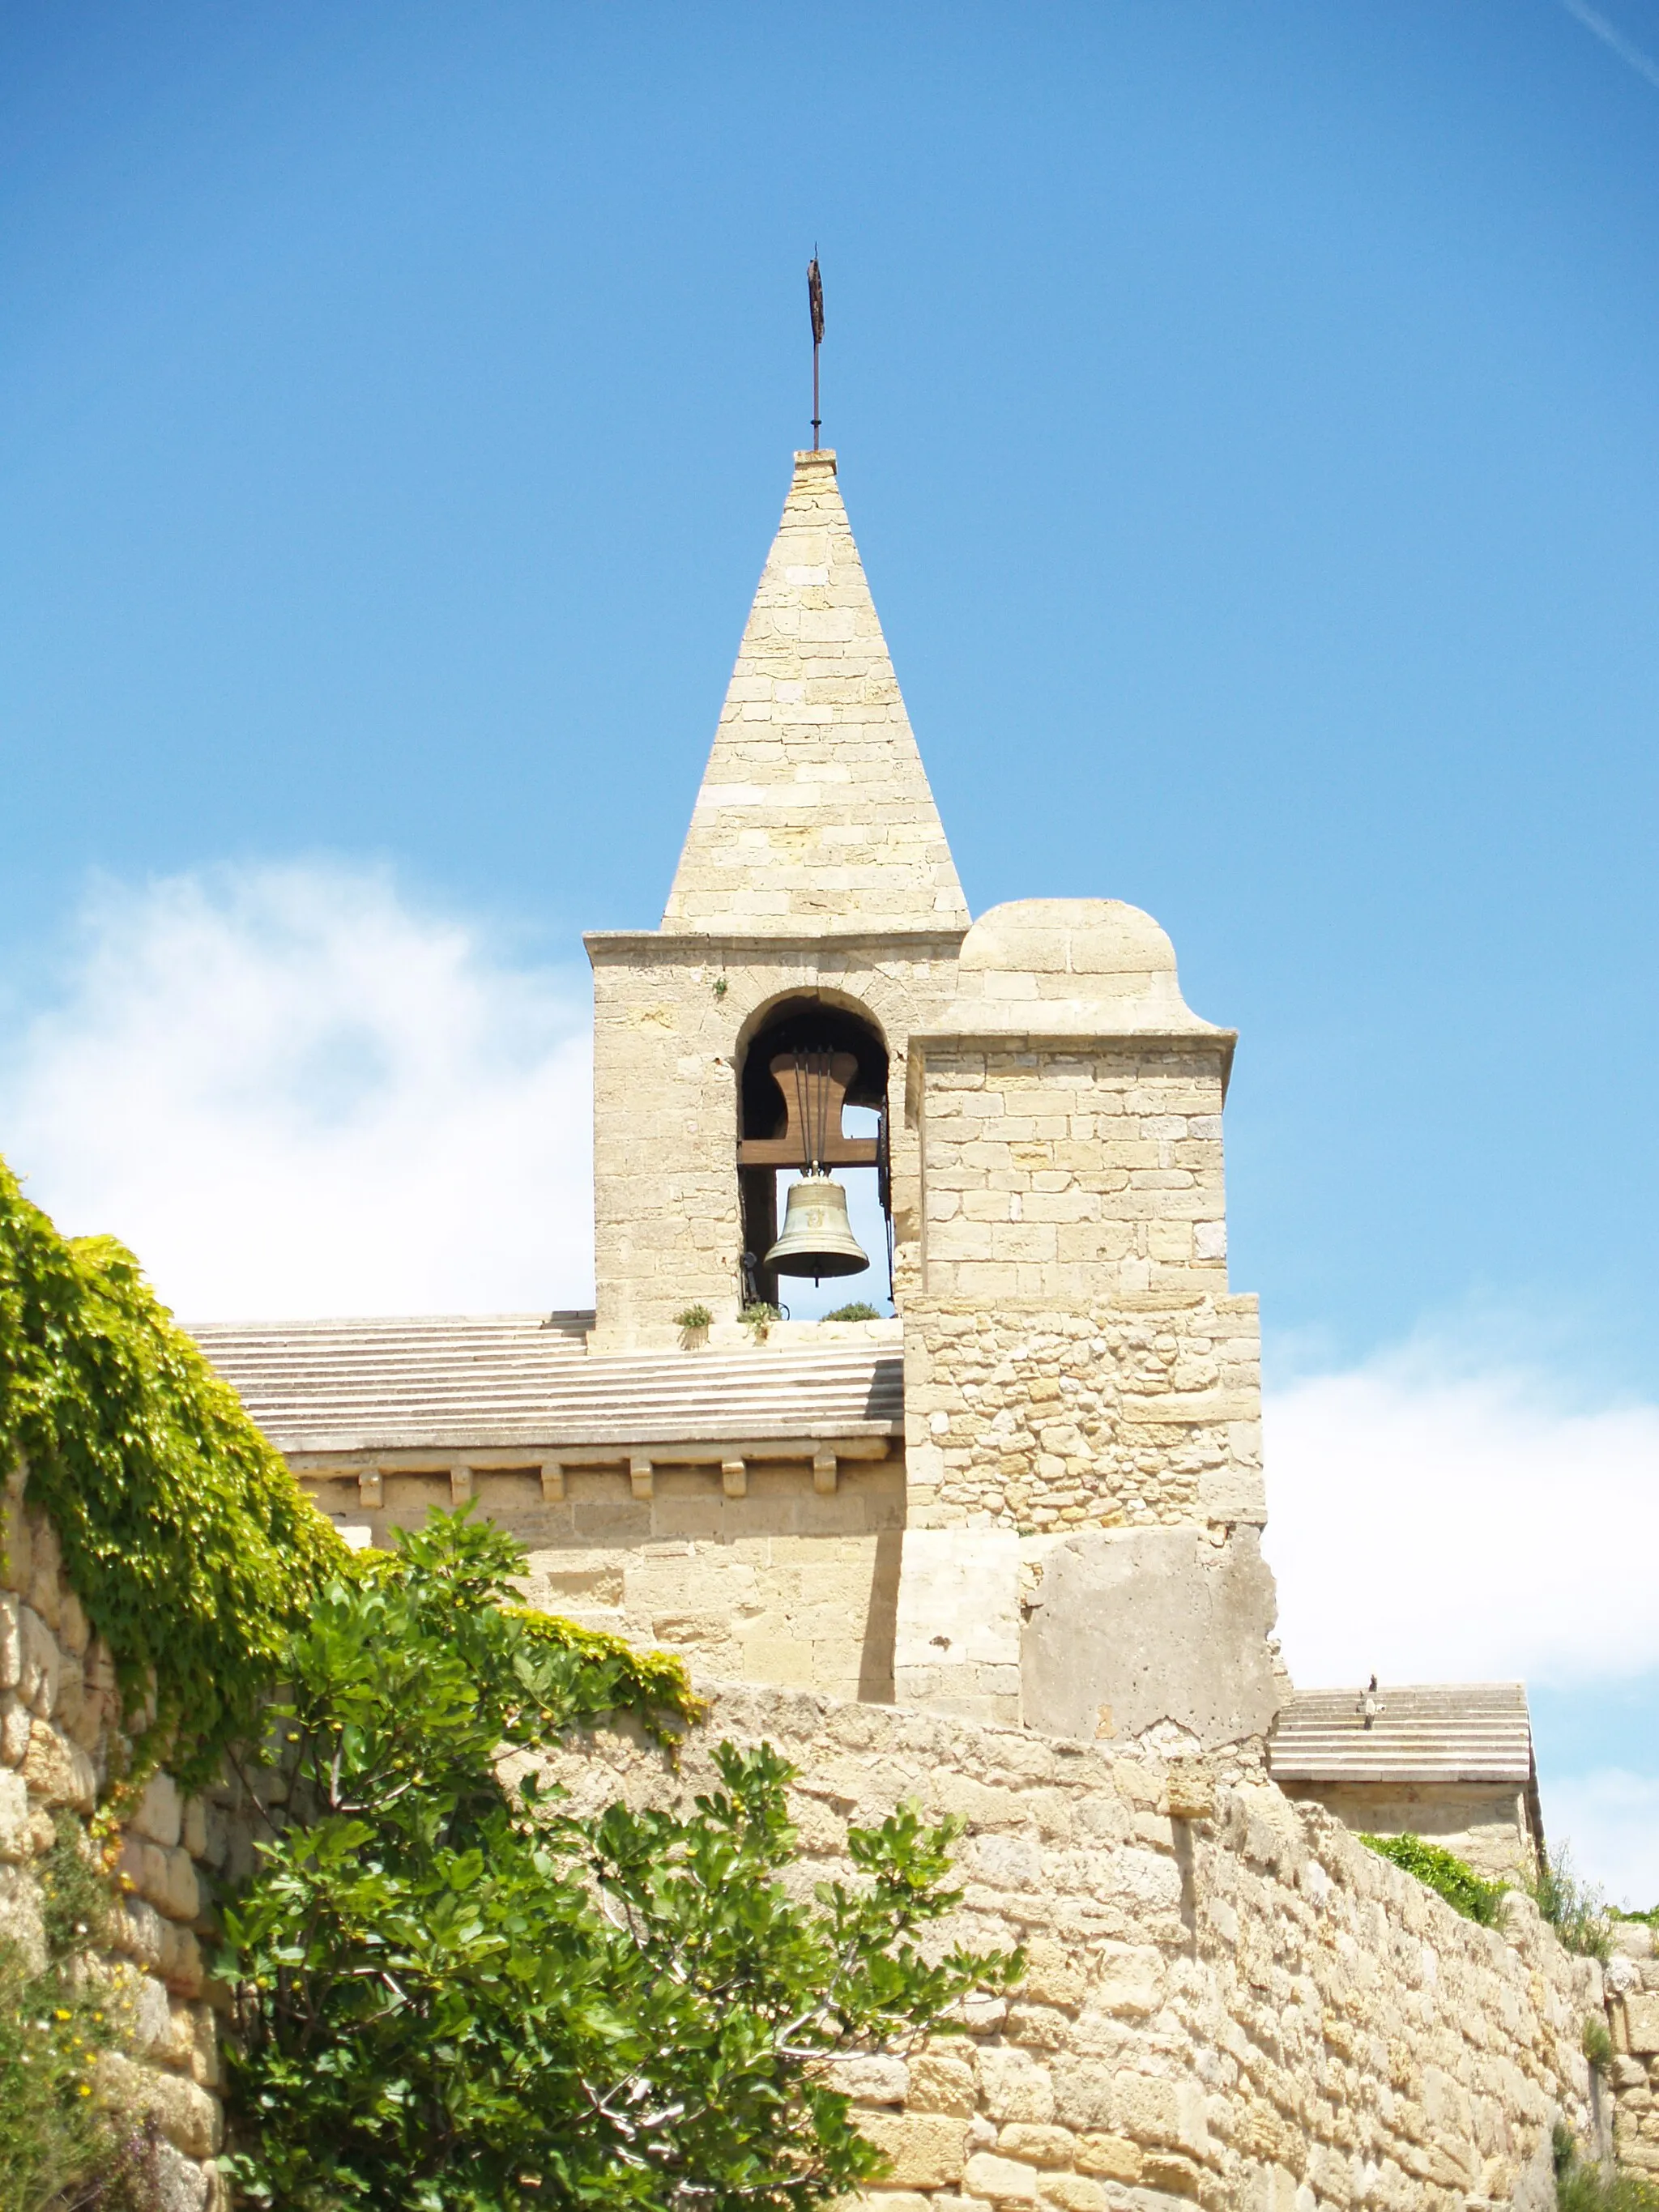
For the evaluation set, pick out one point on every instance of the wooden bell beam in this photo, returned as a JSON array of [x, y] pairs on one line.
[[813, 1098]]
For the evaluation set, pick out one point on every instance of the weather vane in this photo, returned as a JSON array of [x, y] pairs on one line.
[[815, 301]]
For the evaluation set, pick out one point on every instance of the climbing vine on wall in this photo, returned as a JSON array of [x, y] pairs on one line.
[[184, 1536]]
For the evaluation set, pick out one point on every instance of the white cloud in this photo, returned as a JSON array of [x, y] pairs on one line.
[[1442, 1526], [1437, 1526], [293, 1092]]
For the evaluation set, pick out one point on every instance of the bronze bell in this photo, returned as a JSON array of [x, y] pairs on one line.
[[817, 1238]]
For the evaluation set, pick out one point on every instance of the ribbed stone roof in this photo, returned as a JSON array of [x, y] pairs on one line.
[[487, 1380], [1423, 1732]]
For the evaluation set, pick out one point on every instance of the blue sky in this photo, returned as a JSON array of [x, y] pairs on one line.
[[1247, 417]]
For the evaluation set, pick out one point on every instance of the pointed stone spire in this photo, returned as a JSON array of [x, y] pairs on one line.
[[815, 815]]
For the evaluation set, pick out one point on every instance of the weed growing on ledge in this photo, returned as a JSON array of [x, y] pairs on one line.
[[1444, 1873], [1580, 2186], [1574, 1909]]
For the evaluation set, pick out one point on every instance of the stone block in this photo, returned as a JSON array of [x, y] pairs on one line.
[[872, 2080], [181, 1898], [1112, 2156], [46, 1586], [180, 1959], [1153, 2110], [15, 1839], [1171, 2175], [59, 1772], [1128, 1979], [194, 1827], [1641, 2024], [1054, 1973], [925, 2151], [42, 1662], [1157, 1626], [11, 1640], [16, 1722], [1001, 2180], [1083, 2097], [73, 1632], [1013, 2086], [159, 1813], [1036, 2145], [939, 2083], [1073, 2192]]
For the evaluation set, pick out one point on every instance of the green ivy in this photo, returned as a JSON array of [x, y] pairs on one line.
[[1441, 1871], [654, 1686], [184, 1536]]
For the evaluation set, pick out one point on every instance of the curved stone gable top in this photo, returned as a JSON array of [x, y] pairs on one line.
[[1082, 964]]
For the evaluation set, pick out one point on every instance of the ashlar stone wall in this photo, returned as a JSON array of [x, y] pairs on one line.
[[757, 1574], [1069, 1171], [672, 1018], [1228, 2001]]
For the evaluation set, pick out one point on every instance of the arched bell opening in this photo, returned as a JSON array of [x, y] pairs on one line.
[[810, 1073]]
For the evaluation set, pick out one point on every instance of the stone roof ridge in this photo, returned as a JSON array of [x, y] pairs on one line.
[[815, 812], [569, 1320], [360, 1387], [1420, 1731]]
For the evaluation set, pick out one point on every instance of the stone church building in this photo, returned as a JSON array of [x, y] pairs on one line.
[[1034, 1498]]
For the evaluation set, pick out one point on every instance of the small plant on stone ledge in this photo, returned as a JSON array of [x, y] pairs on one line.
[[1596, 2043], [1580, 2186], [694, 1320], [859, 1311], [1574, 1909], [759, 1316]]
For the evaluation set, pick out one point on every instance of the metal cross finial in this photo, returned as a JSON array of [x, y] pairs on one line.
[[815, 303]]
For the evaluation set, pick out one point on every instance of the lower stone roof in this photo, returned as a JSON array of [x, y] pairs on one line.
[[1422, 1732], [447, 1383]]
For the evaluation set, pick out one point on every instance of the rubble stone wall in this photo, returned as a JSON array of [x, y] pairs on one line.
[[59, 1727], [1229, 2000], [1131, 1412]]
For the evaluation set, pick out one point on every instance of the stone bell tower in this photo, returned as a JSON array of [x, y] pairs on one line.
[[815, 896], [1083, 1493]]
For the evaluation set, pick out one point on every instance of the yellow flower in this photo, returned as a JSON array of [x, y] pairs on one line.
[[84, 2091], [60, 2013]]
